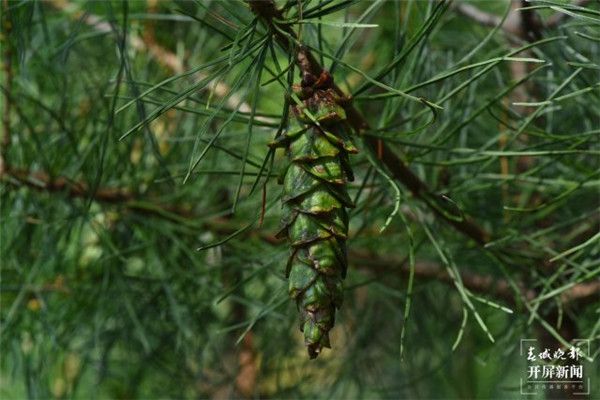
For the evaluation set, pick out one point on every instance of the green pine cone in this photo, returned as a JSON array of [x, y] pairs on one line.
[[315, 200]]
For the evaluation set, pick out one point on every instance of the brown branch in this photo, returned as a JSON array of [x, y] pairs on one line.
[[163, 56], [519, 25], [555, 20], [490, 286], [487, 285], [247, 375], [582, 292], [519, 22], [432, 271], [41, 181], [481, 284], [481, 17], [268, 13]]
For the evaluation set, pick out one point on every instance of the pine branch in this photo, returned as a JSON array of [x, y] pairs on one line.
[[480, 284], [531, 21], [581, 293], [481, 17], [270, 16], [520, 25], [305, 60], [41, 181], [555, 20], [163, 56], [76, 189], [8, 78]]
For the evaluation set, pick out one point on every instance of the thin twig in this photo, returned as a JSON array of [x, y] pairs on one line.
[[487, 19], [481, 17], [492, 286], [556, 19]]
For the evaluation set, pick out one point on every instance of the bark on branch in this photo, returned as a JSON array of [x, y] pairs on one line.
[[42, 182], [162, 55], [581, 293], [487, 19], [8, 78], [555, 20], [489, 286], [481, 17]]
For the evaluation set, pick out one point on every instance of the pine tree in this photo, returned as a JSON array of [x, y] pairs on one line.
[[438, 164]]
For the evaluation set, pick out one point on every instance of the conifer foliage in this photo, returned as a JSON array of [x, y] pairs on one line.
[[185, 184], [315, 200]]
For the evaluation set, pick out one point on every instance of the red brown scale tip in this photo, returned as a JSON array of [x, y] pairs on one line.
[[325, 81], [314, 350]]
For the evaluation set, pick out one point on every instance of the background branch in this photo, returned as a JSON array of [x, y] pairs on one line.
[[479, 16], [556, 19], [99, 269], [486, 285], [482, 284], [163, 56]]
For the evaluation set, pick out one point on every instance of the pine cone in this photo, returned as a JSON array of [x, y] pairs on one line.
[[315, 200]]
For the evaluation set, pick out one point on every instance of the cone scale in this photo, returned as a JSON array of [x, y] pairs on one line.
[[315, 202]]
